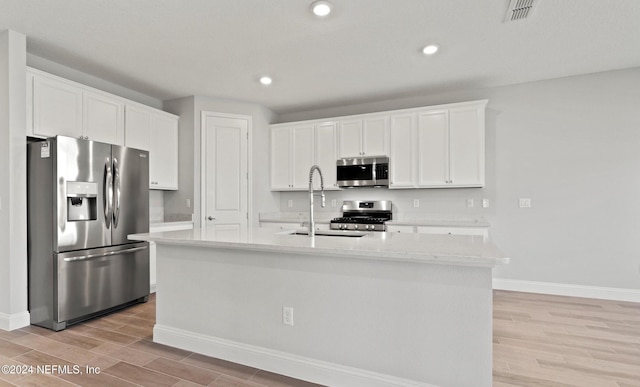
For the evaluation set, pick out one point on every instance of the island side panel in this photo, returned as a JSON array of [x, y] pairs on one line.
[[421, 322]]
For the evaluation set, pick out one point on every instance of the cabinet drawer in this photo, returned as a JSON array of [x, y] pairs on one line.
[[399, 229], [481, 231]]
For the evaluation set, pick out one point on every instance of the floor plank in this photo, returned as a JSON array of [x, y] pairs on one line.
[[538, 340]]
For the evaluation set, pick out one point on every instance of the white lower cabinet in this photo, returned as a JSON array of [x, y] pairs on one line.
[[480, 231], [401, 229], [442, 230], [280, 225]]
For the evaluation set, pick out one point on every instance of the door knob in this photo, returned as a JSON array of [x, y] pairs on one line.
[[210, 218]]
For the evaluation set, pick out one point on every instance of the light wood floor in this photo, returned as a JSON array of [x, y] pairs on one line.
[[542, 340], [539, 340]]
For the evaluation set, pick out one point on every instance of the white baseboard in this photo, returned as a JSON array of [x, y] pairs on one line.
[[9, 322], [152, 288], [283, 363], [616, 294]]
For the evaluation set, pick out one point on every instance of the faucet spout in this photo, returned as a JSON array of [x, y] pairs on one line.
[[312, 223]]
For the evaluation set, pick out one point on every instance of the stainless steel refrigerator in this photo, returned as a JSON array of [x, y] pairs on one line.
[[84, 198]]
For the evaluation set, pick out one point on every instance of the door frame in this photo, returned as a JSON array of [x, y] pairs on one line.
[[203, 133]]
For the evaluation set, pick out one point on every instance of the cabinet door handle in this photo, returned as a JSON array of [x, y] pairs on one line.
[[210, 218]]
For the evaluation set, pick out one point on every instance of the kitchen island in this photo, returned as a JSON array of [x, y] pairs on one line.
[[378, 310]]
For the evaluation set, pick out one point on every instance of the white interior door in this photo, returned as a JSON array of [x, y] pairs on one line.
[[224, 172]]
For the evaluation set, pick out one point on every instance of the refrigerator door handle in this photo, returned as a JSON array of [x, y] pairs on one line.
[[108, 253], [107, 197], [116, 193]]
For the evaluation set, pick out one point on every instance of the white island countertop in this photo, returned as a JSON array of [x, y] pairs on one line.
[[460, 250]]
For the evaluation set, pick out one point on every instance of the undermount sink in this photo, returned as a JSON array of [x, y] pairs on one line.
[[336, 233]]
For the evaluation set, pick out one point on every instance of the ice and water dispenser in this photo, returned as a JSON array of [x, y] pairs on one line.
[[82, 201]]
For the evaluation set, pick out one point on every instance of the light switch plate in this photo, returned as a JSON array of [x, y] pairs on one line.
[[416, 203], [525, 202], [485, 203]]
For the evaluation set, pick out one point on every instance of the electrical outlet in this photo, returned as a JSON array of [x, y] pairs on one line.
[[524, 202], [485, 203], [287, 315], [416, 203], [188, 203], [289, 203], [334, 203], [469, 203]]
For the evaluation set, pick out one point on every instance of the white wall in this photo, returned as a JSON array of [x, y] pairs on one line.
[[190, 109], [572, 145], [13, 190]]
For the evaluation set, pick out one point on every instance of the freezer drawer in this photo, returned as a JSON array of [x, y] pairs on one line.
[[96, 280]]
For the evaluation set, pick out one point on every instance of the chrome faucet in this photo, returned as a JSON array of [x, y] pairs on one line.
[[312, 223]]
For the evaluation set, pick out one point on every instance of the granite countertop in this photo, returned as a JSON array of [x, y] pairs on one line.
[[460, 250]]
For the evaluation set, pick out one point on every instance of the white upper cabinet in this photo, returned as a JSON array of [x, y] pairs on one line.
[[281, 159], [163, 152], [466, 146], [326, 154], [429, 147], [374, 136], [292, 155], [303, 156], [138, 127], [60, 107], [364, 137], [155, 131], [296, 148], [433, 148], [451, 147], [402, 151], [57, 108], [103, 118]]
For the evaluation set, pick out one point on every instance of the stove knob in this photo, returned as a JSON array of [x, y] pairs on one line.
[[356, 226], [342, 227], [366, 226]]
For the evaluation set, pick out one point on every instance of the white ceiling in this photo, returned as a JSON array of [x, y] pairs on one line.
[[366, 50]]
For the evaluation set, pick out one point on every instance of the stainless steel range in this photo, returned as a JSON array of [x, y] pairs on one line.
[[363, 215]]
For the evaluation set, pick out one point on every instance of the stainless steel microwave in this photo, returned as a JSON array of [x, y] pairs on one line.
[[363, 172]]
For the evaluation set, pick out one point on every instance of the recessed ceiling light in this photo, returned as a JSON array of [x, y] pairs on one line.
[[321, 8], [430, 49], [266, 80]]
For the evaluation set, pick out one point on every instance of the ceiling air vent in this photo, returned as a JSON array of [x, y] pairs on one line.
[[520, 9]]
